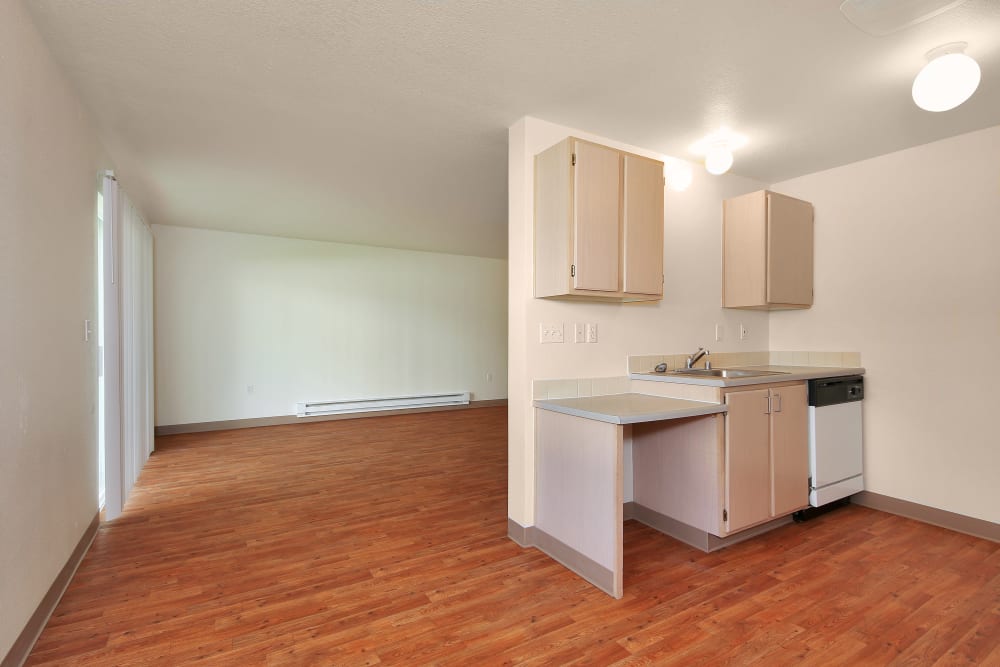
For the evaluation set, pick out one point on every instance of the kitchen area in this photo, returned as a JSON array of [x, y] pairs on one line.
[[710, 448], [713, 455]]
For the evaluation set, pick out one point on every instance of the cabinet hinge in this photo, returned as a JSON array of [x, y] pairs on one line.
[[725, 515], [664, 181], [572, 270], [574, 159]]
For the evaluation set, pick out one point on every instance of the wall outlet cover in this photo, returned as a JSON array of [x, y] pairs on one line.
[[550, 333]]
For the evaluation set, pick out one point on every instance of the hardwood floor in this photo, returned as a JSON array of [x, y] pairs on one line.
[[383, 541]]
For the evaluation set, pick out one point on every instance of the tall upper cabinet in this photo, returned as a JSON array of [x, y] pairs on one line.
[[767, 252], [598, 223]]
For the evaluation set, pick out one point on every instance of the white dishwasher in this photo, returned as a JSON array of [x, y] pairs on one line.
[[836, 463]]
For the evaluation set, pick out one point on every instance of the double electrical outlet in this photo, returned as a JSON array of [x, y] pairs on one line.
[[583, 332]]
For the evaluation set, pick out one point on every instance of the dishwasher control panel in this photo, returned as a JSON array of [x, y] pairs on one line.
[[831, 391]]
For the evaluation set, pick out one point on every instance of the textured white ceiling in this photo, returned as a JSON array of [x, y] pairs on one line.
[[385, 122]]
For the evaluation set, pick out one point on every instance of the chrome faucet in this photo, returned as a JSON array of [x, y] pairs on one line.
[[693, 359]]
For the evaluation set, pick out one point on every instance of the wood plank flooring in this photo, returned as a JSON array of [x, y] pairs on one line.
[[383, 541]]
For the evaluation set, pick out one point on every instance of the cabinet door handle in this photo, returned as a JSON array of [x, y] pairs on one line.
[[778, 396], [768, 399]]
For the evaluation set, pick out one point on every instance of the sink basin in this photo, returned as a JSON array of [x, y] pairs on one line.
[[724, 372]]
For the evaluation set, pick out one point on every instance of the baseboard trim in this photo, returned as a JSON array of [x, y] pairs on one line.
[[229, 424], [524, 536], [592, 571], [695, 537], [588, 569], [960, 523], [18, 653]]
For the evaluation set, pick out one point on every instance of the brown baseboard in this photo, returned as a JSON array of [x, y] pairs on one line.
[[201, 427], [19, 652], [958, 522]]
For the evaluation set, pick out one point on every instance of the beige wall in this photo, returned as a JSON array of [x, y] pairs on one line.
[[309, 321], [49, 164], [684, 320], [908, 273]]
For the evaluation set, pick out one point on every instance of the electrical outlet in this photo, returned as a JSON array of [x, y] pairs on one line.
[[591, 333], [489, 376], [744, 332], [579, 333], [550, 333], [250, 389]]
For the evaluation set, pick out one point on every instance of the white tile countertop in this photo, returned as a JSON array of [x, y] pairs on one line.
[[783, 374], [629, 408]]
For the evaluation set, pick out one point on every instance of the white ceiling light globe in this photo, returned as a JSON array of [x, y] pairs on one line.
[[718, 160], [945, 82]]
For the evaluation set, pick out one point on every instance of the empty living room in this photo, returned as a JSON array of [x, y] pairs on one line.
[[499, 333]]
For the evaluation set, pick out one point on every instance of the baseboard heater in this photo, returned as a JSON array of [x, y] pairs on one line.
[[349, 405]]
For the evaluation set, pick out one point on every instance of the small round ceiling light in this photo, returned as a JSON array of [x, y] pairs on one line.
[[718, 150], [718, 159], [950, 78]]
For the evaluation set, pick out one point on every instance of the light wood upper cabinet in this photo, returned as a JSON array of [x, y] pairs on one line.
[[596, 240], [767, 252], [642, 225], [767, 454], [598, 223]]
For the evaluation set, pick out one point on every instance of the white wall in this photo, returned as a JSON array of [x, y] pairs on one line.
[[308, 320], [49, 163], [682, 321], [908, 273]]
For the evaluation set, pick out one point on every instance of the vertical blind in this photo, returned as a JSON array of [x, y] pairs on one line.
[[133, 287]]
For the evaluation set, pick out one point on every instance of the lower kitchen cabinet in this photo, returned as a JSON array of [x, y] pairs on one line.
[[726, 475], [767, 454]]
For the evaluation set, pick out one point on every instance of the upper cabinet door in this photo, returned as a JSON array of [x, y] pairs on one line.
[[789, 250], [744, 248], [642, 226], [596, 186]]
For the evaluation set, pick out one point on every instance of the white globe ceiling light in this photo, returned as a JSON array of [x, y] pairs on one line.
[[950, 78], [718, 159], [718, 150]]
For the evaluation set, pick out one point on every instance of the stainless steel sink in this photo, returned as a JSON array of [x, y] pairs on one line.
[[724, 372]]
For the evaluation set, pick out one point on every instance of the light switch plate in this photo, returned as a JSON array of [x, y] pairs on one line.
[[591, 333]]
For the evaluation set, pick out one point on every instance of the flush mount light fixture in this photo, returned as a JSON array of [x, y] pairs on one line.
[[947, 80], [718, 150], [718, 159]]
